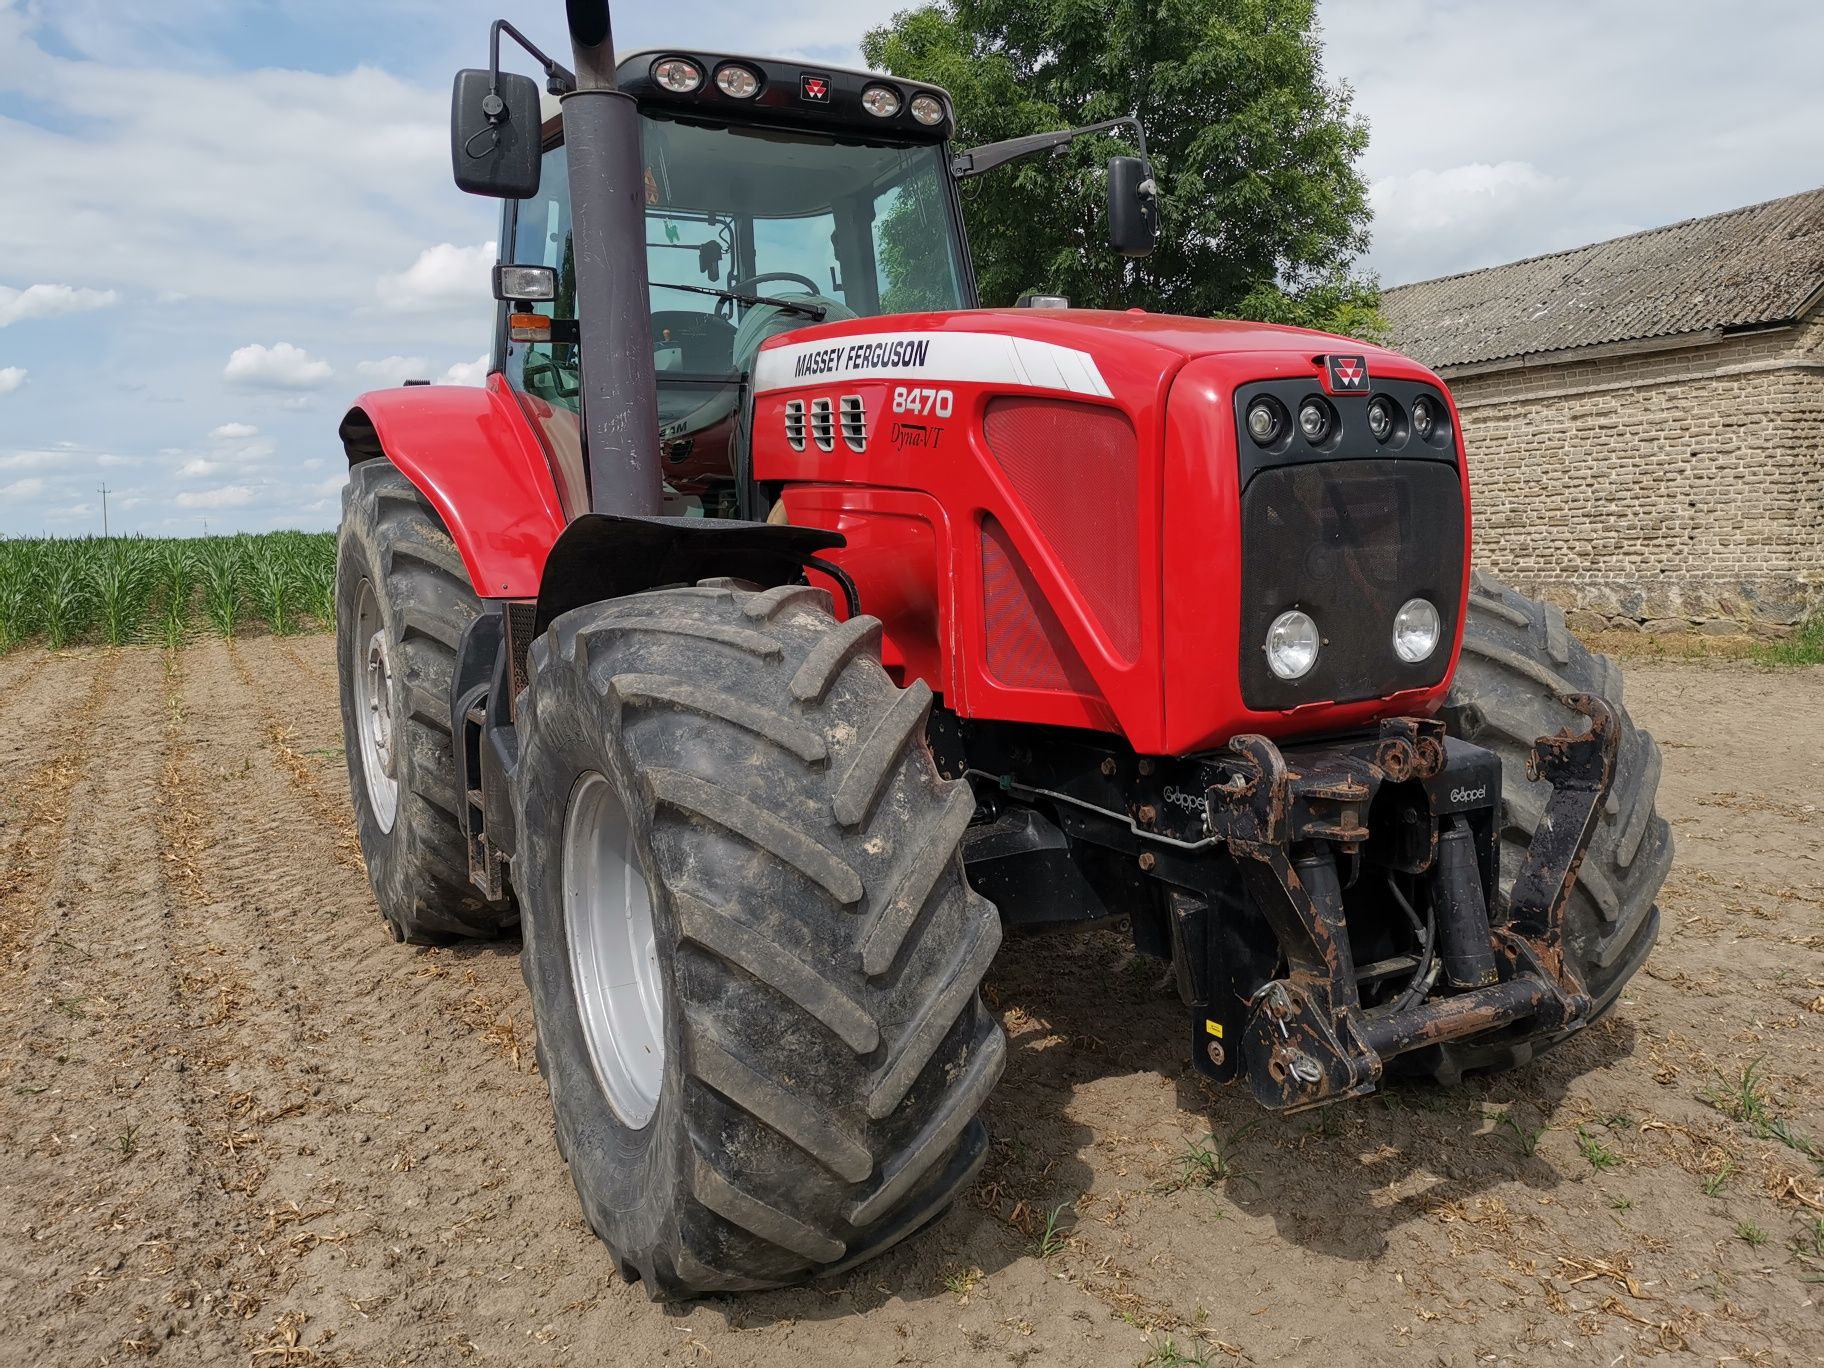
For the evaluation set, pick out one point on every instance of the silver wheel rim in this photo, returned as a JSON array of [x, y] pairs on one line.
[[614, 953], [374, 709]]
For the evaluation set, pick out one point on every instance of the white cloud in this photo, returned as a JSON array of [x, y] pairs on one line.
[[467, 372], [1459, 199], [280, 366], [198, 468], [394, 370], [226, 496], [22, 489], [48, 301], [11, 377], [230, 432], [444, 276]]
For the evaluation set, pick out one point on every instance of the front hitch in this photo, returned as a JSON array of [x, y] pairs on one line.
[[1308, 1039]]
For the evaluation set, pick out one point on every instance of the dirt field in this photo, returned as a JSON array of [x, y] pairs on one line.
[[242, 1126]]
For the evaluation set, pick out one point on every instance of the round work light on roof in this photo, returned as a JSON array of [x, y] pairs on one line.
[[927, 109], [677, 74], [880, 101], [737, 82]]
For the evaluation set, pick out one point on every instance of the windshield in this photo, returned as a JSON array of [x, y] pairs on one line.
[[752, 232]]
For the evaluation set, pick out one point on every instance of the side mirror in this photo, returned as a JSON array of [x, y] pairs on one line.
[[1133, 207], [494, 134]]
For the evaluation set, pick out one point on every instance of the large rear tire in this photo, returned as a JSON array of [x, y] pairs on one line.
[[402, 602], [1518, 657], [753, 960]]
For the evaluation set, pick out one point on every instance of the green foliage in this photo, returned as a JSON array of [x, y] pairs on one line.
[[1262, 209], [1598, 1155], [1803, 647], [118, 590]]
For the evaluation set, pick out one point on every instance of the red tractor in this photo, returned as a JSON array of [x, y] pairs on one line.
[[777, 627]]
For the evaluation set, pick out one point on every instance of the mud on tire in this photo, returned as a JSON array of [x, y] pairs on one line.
[[392, 541], [1518, 655], [825, 1049]]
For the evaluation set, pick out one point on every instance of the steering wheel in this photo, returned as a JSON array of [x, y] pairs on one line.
[[746, 286]]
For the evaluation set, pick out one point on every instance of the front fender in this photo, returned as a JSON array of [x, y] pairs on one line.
[[472, 453]]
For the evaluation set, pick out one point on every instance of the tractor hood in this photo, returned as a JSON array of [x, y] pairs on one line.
[[1059, 519], [1085, 351]]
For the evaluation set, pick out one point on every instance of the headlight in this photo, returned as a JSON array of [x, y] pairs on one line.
[[880, 101], [677, 75], [1315, 420], [738, 83], [1424, 418], [1380, 419], [928, 109], [1416, 630], [1292, 645], [1266, 421]]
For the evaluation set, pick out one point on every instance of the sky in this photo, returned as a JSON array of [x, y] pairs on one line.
[[221, 220]]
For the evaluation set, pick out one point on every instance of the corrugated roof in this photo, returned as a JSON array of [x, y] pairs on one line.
[[1755, 266]]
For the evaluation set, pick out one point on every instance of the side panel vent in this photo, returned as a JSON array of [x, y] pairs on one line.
[[1027, 645], [1076, 470], [823, 424], [854, 422], [794, 423]]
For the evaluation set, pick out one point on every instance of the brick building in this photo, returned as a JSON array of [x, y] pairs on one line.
[[1645, 417]]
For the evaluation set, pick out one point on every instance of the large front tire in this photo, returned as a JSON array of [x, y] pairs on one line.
[[753, 960], [402, 602], [1518, 658]]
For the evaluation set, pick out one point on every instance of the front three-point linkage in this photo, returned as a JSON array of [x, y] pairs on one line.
[[1309, 1040]]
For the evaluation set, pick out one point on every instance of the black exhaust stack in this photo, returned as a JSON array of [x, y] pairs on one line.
[[608, 233]]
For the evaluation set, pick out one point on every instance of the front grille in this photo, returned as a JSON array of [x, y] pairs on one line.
[[794, 424], [854, 422], [1348, 542], [823, 424]]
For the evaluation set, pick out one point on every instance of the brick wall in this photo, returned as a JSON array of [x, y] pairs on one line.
[[1667, 487]]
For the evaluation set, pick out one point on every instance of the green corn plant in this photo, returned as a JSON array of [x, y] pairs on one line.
[[15, 594], [64, 602], [219, 565], [177, 587], [121, 580]]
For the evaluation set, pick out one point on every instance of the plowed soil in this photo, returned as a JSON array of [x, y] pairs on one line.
[[238, 1125]]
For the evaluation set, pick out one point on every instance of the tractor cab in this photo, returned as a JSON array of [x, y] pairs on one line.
[[775, 197]]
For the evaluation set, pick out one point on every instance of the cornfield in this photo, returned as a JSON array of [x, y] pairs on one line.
[[118, 590]]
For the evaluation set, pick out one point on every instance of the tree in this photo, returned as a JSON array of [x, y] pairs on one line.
[[1262, 210]]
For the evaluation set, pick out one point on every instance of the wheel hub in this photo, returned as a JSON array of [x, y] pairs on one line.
[[374, 709], [614, 957]]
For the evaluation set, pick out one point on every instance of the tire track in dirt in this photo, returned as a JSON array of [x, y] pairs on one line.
[[46, 751], [398, 1117], [19, 668], [96, 1111]]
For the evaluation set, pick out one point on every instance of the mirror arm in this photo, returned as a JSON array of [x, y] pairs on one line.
[[986, 158], [559, 79]]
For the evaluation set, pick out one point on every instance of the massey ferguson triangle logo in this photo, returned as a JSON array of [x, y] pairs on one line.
[[816, 89], [1348, 374]]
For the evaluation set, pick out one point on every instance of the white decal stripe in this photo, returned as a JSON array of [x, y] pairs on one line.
[[929, 357]]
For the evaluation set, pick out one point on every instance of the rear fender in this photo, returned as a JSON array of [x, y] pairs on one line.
[[472, 453]]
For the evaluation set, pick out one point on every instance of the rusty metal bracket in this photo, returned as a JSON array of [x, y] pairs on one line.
[[1580, 767], [1307, 1040]]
